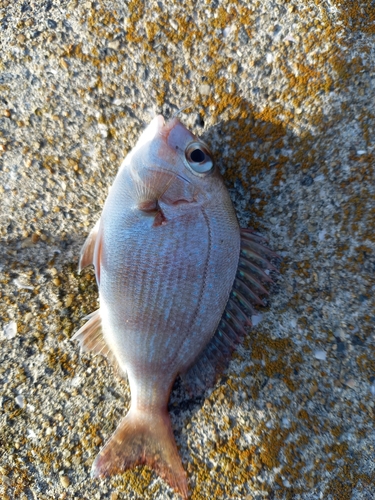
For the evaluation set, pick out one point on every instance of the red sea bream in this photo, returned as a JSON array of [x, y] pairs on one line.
[[178, 280]]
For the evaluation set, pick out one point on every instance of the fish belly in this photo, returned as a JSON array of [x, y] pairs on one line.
[[163, 289]]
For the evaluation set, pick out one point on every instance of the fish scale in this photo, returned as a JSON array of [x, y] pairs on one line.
[[173, 299]]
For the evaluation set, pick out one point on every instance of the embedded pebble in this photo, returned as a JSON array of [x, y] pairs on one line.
[[20, 400], [21, 284], [256, 319], [205, 89], [65, 482], [321, 355], [10, 330]]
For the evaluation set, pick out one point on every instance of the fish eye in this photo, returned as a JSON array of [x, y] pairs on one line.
[[199, 158]]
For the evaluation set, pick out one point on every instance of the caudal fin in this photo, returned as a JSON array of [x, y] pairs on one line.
[[143, 439]]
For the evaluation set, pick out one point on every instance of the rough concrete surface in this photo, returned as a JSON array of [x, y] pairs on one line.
[[284, 92]]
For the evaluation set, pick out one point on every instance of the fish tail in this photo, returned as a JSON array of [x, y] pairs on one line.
[[143, 439]]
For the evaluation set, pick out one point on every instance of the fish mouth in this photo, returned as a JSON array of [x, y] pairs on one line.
[[173, 132], [159, 127]]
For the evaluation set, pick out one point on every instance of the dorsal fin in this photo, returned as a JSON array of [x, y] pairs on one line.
[[245, 295], [87, 252], [90, 337]]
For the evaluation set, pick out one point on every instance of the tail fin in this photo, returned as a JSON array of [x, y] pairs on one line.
[[143, 439]]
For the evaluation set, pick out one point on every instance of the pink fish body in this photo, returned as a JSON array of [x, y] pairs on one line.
[[167, 256]]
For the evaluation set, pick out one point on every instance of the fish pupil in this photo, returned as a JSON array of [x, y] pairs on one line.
[[197, 156]]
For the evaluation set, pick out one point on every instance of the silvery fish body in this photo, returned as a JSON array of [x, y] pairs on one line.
[[175, 288]]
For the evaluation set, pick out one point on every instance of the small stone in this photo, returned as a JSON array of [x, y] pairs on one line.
[[256, 319], [20, 401], [351, 383], [174, 24], [63, 63], [114, 45], [273, 220], [308, 297], [97, 440], [233, 68], [10, 330], [28, 317], [51, 24], [307, 180], [65, 482], [21, 284], [69, 300], [286, 422], [6, 113], [57, 282], [205, 89], [320, 354], [21, 38]]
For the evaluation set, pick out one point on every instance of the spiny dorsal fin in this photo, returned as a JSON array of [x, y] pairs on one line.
[[87, 252], [249, 285], [90, 337]]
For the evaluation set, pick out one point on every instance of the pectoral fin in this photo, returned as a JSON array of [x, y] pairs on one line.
[[87, 253], [90, 337]]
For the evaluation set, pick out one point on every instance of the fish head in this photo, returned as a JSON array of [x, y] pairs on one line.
[[172, 170]]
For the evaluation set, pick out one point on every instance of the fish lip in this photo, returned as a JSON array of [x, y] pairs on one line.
[[175, 134], [168, 126]]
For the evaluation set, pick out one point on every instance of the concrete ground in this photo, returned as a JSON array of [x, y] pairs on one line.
[[284, 93]]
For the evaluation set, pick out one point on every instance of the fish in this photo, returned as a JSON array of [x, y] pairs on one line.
[[178, 282]]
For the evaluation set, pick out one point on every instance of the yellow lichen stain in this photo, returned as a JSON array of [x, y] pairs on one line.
[[235, 466], [271, 444], [357, 15], [276, 356]]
